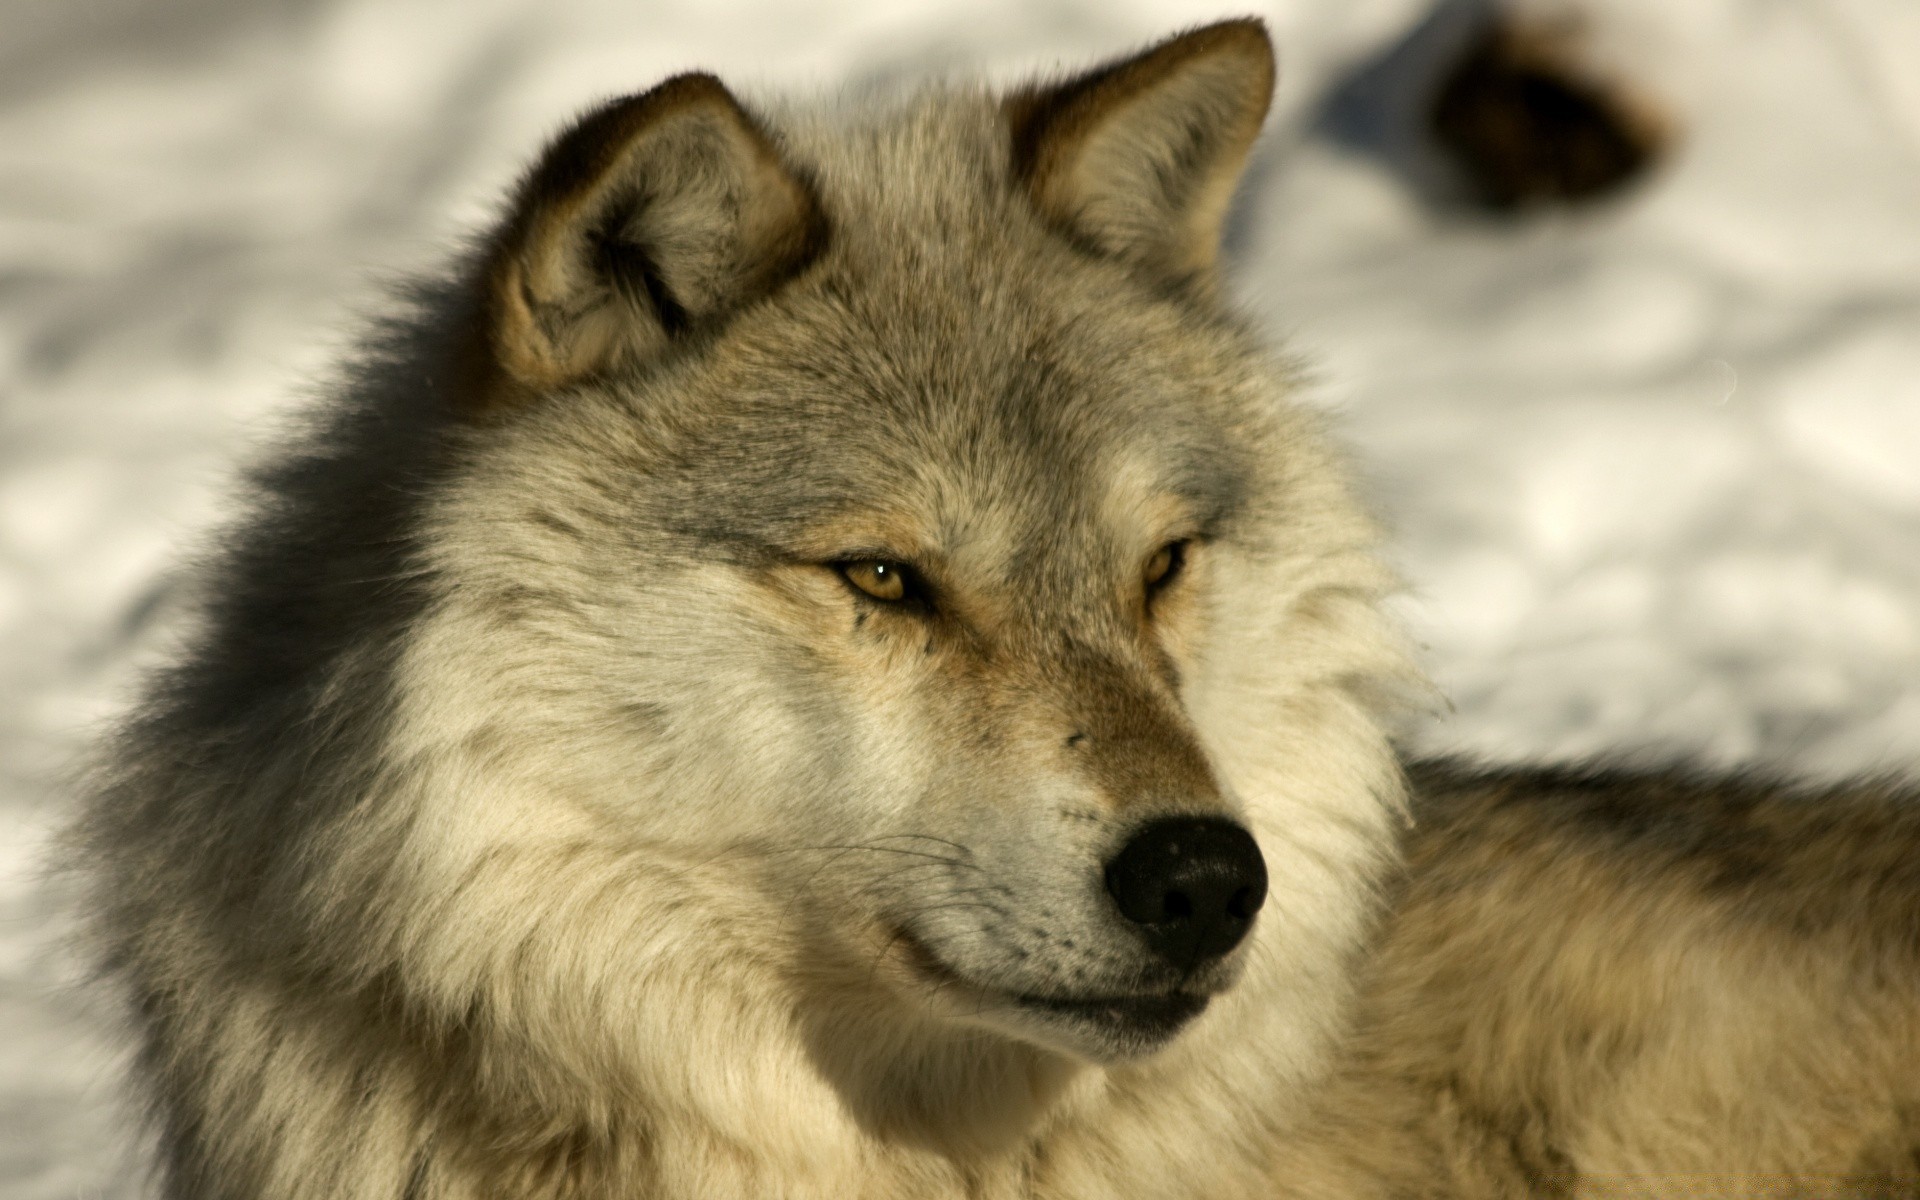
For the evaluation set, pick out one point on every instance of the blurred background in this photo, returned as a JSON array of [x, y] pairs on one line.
[[1616, 302]]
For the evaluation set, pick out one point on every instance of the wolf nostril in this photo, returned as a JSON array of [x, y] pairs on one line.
[[1191, 885], [1244, 904]]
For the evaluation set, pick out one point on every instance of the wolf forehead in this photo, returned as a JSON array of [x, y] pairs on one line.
[[821, 306], [841, 418]]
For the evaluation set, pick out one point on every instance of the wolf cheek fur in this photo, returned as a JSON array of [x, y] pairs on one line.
[[554, 803]]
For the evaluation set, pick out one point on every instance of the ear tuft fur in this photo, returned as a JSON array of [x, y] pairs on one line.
[[1138, 159], [655, 214]]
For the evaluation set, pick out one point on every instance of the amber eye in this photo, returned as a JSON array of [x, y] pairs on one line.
[[1164, 566], [883, 580]]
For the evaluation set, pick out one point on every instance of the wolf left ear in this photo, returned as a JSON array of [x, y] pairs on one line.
[[651, 216], [1138, 159]]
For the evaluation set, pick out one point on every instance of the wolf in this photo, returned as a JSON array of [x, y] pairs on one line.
[[823, 659]]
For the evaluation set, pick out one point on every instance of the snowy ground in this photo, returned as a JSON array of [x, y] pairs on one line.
[[1655, 468]]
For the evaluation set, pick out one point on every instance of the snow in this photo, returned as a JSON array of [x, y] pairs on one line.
[[1654, 468]]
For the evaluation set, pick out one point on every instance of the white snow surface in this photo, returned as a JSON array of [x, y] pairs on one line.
[[1654, 468]]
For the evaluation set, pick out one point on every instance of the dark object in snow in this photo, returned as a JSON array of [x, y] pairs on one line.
[[1526, 128]]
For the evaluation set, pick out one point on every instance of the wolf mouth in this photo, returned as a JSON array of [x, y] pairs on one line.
[[1151, 1016], [1145, 1016]]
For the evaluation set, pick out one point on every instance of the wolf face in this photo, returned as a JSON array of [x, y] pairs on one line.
[[875, 508]]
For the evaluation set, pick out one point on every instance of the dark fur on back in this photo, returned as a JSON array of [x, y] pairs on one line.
[[1838, 859]]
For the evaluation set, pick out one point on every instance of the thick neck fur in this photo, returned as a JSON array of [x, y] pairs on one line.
[[721, 1084]]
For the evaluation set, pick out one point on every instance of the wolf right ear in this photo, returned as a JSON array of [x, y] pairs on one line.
[[1138, 159], [650, 216]]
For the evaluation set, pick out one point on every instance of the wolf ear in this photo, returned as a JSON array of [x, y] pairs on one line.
[[650, 216], [1138, 159]]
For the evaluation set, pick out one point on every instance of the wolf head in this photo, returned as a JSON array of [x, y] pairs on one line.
[[883, 579]]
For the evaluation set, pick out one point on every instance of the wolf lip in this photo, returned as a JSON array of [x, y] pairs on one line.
[[1152, 1015], [1155, 1015]]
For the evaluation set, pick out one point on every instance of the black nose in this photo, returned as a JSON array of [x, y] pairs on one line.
[[1192, 885]]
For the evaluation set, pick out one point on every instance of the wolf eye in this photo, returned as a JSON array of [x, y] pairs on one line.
[[891, 582], [1164, 566]]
